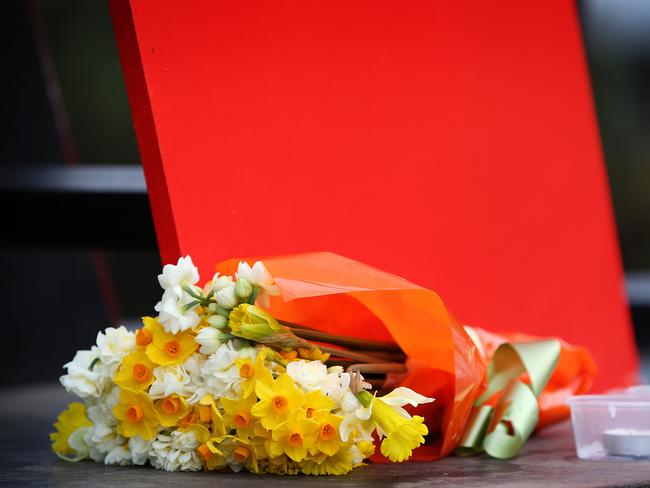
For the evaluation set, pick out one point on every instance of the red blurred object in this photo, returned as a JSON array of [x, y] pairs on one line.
[[450, 142]]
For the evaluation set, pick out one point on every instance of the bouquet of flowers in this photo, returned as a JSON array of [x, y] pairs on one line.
[[215, 381]]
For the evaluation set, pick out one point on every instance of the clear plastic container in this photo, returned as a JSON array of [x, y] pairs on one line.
[[615, 426]]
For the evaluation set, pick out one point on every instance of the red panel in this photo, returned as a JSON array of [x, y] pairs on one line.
[[451, 142]]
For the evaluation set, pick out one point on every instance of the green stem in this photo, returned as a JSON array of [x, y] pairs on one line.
[[202, 300], [253, 297], [190, 305]]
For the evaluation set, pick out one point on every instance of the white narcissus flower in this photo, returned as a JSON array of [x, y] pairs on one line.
[[220, 282], [102, 436], [220, 373], [119, 455], [226, 296], [335, 385], [208, 338], [113, 344], [183, 379], [175, 451], [356, 418], [77, 441], [80, 379], [173, 317], [259, 276], [308, 374], [169, 380], [402, 396], [174, 277], [356, 457], [139, 450], [193, 366]]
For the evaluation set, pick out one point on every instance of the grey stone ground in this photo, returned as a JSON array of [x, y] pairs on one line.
[[547, 460]]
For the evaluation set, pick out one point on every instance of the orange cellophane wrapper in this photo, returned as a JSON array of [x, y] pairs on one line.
[[334, 294]]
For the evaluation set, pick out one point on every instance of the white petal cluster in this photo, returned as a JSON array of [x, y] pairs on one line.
[[78, 442], [84, 378], [183, 379], [220, 373], [90, 373], [102, 436], [356, 418], [175, 451], [258, 276], [113, 344], [172, 313], [139, 448], [120, 455], [173, 277], [308, 374]]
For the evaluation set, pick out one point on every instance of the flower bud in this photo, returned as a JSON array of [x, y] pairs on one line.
[[226, 298], [218, 321], [253, 323], [243, 289]]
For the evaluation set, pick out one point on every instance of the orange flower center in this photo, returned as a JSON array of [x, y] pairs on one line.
[[172, 348], [280, 403], [246, 370], [327, 431], [140, 373], [204, 452], [242, 419], [295, 439], [170, 405], [205, 413], [241, 454], [189, 419], [143, 337], [310, 412], [134, 414]]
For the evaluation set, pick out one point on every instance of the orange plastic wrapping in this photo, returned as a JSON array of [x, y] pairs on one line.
[[338, 295]]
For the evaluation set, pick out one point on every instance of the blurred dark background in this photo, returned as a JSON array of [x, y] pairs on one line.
[[78, 251]]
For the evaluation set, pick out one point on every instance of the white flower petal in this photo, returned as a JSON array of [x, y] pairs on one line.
[[402, 396]]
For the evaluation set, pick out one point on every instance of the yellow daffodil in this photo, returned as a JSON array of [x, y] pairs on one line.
[[366, 448], [136, 372], [144, 336], [253, 323], [259, 443], [168, 349], [329, 439], [218, 424], [294, 437], [68, 421], [315, 403], [211, 460], [337, 464], [189, 420], [280, 465], [278, 400], [403, 434], [261, 439], [136, 414], [238, 414], [235, 452], [171, 409], [251, 371]]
